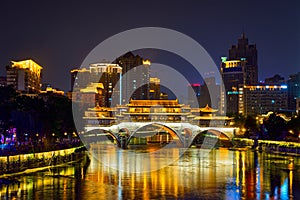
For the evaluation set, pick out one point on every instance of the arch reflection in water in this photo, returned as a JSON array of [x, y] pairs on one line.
[[150, 148], [223, 174]]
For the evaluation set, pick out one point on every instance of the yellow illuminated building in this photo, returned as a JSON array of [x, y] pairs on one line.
[[24, 76], [28, 64], [232, 63], [146, 62], [50, 90], [206, 117], [155, 110]]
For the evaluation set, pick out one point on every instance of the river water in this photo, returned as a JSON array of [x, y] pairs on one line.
[[220, 174]]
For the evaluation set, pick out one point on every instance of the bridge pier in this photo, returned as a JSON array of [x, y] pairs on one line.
[[123, 141]]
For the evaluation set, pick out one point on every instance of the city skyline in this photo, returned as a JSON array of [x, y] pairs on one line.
[[60, 42]]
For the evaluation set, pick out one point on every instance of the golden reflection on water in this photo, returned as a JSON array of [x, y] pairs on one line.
[[199, 173]]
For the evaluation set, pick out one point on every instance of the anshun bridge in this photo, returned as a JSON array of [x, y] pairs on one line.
[[185, 133], [163, 121]]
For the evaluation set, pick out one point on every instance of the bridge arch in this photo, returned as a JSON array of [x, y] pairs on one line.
[[96, 134], [171, 131], [187, 132], [223, 137], [124, 130]]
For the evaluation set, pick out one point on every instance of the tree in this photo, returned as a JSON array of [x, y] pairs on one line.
[[276, 127], [251, 126], [294, 126], [239, 120], [7, 105]]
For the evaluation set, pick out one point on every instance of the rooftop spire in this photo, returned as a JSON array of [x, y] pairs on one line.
[[243, 35]]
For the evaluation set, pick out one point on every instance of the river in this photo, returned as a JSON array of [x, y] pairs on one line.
[[220, 174]]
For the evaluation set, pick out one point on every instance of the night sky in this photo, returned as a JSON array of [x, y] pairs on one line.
[[59, 34]]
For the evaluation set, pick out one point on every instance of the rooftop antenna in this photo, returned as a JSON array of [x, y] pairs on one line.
[[243, 33]]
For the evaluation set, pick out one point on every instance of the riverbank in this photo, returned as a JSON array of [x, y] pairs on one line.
[[22, 162], [282, 147]]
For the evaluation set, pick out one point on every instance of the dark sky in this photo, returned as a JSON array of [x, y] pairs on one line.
[[59, 34]]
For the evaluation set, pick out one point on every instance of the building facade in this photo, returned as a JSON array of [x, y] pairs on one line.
[[155, 110], [261, 99], [293, 84], [2, 81], [136, 83], [194, 95], [238, 70], [154, 92], [248, 52], [209, 90], [233, 76], [105, 73], [298, 106], [25, 76]]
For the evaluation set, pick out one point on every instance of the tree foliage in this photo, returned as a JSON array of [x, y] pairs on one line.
[[276, 127], [32, 115]]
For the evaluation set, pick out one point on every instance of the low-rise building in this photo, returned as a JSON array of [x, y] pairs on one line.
[[261, 99], [24, 76]]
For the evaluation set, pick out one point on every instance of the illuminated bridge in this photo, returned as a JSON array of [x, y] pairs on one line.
[[184, 133]]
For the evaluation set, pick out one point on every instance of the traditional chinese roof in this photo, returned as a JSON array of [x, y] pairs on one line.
[[151, 103], [208, 109], [103, 109]]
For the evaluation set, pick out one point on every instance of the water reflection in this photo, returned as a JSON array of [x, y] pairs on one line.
[[198, 174]]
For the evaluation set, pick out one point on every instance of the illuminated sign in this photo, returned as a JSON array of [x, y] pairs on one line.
[[232, 92], [223, 59]]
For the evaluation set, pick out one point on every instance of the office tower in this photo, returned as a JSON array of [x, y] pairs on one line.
[[83, 81], [248, 52], [154, 92], [105, 73], [209, 90], [136, 83], [2, 81], [194, 95], [263, 98], [293, 84], [108, 75], [298, 105], [233, 76], [24, 76], [239, 69]]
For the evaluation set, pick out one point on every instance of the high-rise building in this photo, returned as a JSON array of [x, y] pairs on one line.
[[209, 90], [233, 76], [293, 84], [2, 81], [248, 52], [24, 76], [239, 69], [194, 95], [135, 83], [298, 105], [106, 73], [154, 92], [82, 80]]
